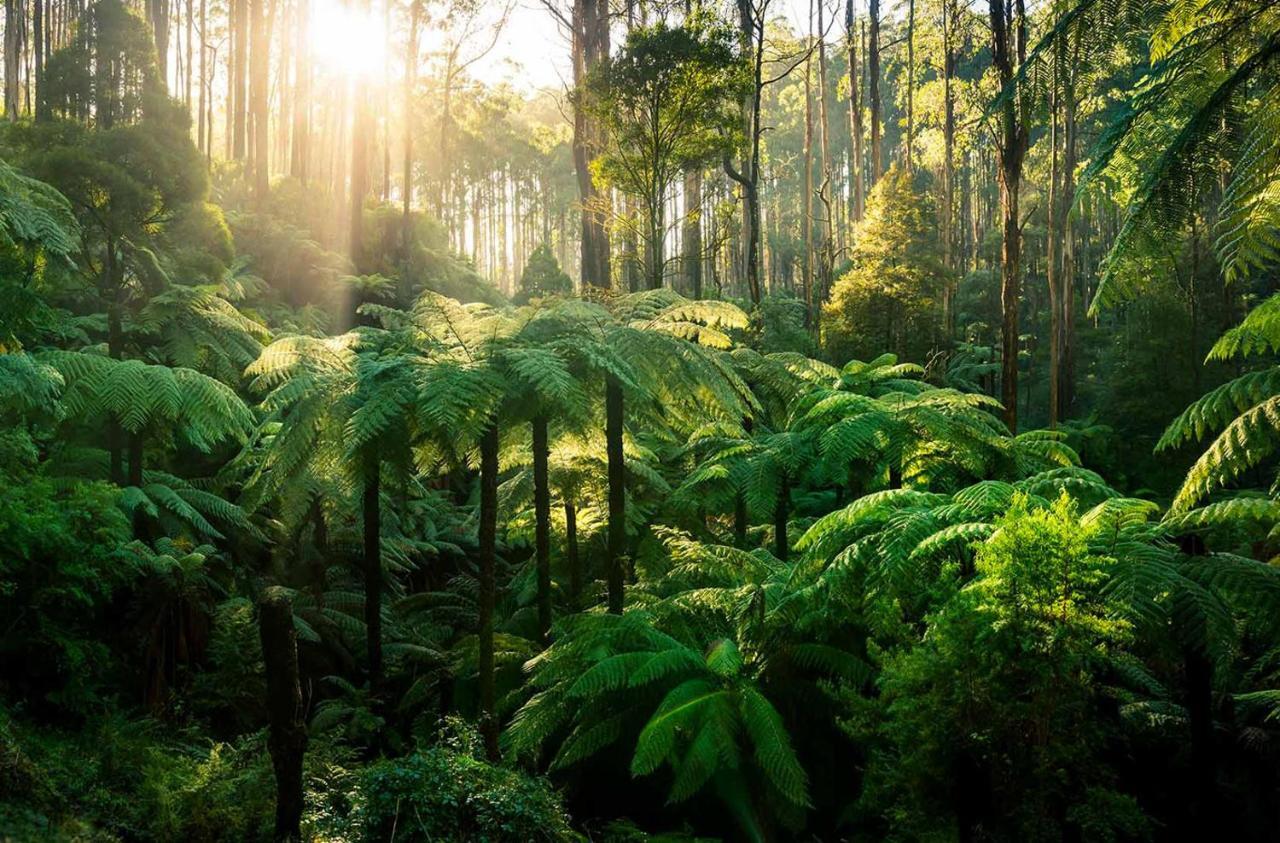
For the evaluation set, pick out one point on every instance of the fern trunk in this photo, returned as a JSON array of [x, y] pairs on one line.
[[571, 551], [780, 512], [617, 491], [740, 519], [542, 528], [1198, 674], [373, 570], [135, 458], [488, 539], [287, 738]]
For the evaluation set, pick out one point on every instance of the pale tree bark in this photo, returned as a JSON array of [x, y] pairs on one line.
[[873, 89], [949, 11], [14, 27], [857, 196]]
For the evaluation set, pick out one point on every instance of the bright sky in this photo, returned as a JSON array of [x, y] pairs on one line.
[[534, 53]]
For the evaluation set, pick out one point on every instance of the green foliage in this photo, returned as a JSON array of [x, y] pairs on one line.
[[74, 535], [1242, 414], [891, 297], [543, 276], [998, 715], [447, 792]]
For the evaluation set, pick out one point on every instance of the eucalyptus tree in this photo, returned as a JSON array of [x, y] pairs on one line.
[[1204, 95], [668, 101]]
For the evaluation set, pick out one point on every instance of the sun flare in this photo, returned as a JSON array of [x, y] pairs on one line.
[[349, 42]]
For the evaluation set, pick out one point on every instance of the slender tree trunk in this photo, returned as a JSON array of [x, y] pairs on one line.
[[300, 148], [781, 512], [911, 85], [572, 559], [542, 528], [617, 529], [873, 87], [806, 209], [259, 93], [410, 83], [693, 230], [201, 130], [948, 170], [1008, 31], [372, 513], [39, 45], [14, 27], [1067, 295], [488, 535], [238, 101], [135, 458], [824, 248], [590, 48], [287, 736], [857, 194]]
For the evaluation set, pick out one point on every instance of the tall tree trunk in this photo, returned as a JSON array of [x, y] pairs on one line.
[[410, 83], [542, 526], [909, 157], [259, 92], [488, 535], [752, 36], [1053, 271], [14, 27], [372, 514], [287, 736], [590, 48], [824, 248], [158, 15], [238, 101], [806, 209], [617, 528], [948, 169], [693, 230], [857, 195], [1008, 50], [300, 149], [39, 45], [873, 87], [1067, 296], [201, 130]]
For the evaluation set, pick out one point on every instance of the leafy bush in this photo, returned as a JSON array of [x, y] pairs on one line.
[[448, 793], [543, 276]]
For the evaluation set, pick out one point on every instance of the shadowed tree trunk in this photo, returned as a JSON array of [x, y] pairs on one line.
[[780, 512], [571, 551], [287, 738], [373, 569], [617, 491], [1008, 51], [542, 528], [488, 563]]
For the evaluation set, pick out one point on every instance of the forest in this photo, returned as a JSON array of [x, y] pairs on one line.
[[640, 420]]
